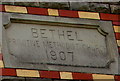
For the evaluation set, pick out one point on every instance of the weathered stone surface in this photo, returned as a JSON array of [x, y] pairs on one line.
[[99, 54]]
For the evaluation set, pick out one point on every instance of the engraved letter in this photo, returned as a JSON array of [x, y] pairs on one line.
[[42, 31], [34, 32]]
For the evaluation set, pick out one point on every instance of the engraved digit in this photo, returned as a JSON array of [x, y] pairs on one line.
[[62, 55], [53, 55], [71, 55]]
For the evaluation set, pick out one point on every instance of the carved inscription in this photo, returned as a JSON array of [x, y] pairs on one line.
[[69, 35], [57, 45]]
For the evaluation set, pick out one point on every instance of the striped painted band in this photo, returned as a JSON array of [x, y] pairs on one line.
[[117, 34], [62, 13], [56, 75], [117, 29], [1, 61]]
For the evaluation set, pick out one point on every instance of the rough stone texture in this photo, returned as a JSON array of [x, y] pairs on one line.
[[7, 78], [115, 9], [60, 0], [34, 79], [103, 25], [108, 7], [12, 80], [54, 5]]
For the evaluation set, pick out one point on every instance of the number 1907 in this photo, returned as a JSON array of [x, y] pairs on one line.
[[60, 55]]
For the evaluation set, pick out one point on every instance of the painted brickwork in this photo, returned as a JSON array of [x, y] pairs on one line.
[[115, 19]]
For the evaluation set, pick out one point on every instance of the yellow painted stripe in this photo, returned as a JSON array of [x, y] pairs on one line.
[[66, 75], [1, 64], [89, 15], [53, 12], [17, 9], [27, 73], [117, 28], [118, 42], [98, 77]]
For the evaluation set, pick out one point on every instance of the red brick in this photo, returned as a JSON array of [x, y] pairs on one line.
[[82, 76], [116, 23], [68, 13], [112, 17], [117, 35], [0, 71], [49, 74], [117, 78], [38, 11], [2, 8], [8, 72]]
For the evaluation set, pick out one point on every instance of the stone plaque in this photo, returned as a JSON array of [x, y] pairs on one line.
[[60, 44], [57, 45]]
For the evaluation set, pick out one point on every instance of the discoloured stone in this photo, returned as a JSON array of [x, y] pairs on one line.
[[106, 63]]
